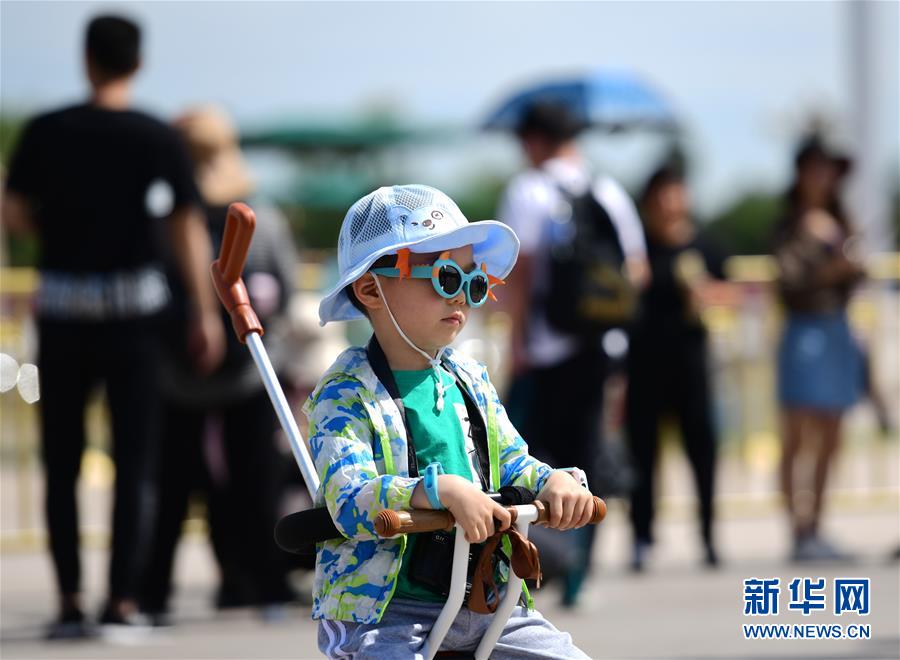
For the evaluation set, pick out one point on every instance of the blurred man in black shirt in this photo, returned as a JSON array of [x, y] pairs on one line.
[[101, 185]]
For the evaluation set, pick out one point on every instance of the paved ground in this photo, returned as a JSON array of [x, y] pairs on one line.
[[674, 610]]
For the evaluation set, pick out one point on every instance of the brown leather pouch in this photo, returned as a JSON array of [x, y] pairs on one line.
[[526, 564]]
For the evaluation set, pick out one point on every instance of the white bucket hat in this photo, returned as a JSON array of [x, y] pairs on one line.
[[417, 217]]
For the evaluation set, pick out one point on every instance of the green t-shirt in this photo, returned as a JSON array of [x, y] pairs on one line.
[[438, 437]]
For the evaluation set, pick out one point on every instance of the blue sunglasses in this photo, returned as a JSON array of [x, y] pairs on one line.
[[447, 277]]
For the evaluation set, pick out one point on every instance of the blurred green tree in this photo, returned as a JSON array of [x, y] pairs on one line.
[[746, 226], [10, 128], [479, 196], [21, 250]]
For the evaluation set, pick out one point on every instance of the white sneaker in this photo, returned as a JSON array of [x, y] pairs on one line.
[[814, 548]]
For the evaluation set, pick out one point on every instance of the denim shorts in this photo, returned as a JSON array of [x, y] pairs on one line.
[[820, 365]]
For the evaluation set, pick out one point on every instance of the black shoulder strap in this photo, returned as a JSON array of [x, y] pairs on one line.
[[479, 429], [383, 372]]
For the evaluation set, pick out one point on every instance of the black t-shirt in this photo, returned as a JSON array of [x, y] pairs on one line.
[[175, 320], [99, 183], [665, 315]]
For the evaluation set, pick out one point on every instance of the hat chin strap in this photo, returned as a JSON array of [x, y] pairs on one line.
[[435, 361]]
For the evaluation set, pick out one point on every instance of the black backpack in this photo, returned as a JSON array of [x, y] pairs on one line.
[[588, 291]]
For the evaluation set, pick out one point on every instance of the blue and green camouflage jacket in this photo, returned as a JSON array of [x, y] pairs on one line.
[[359, 445]]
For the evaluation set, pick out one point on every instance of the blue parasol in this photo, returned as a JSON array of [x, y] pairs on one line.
[[609, 100]]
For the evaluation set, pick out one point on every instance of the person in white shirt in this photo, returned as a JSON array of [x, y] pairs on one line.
[[561, 371]]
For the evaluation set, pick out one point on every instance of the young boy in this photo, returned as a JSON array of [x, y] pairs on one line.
[[407, 406]]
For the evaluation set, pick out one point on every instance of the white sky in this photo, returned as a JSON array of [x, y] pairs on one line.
[[743, 76]]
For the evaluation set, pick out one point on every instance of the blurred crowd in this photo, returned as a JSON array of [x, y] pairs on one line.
[[608, 293]]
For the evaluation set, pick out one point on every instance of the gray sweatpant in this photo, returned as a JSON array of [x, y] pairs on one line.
[[403, 629]]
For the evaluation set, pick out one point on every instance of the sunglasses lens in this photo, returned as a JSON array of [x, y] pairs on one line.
[[478, 289], [450, 280]]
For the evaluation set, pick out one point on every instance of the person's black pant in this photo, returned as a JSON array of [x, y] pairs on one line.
[[237, 466], [558, 410], [564, 421], [74, 357], [661, 378]]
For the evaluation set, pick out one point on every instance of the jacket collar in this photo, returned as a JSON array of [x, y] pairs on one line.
[[354, 363]]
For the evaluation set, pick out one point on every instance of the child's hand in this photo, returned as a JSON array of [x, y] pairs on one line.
[[571, 505], [472, 509]]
